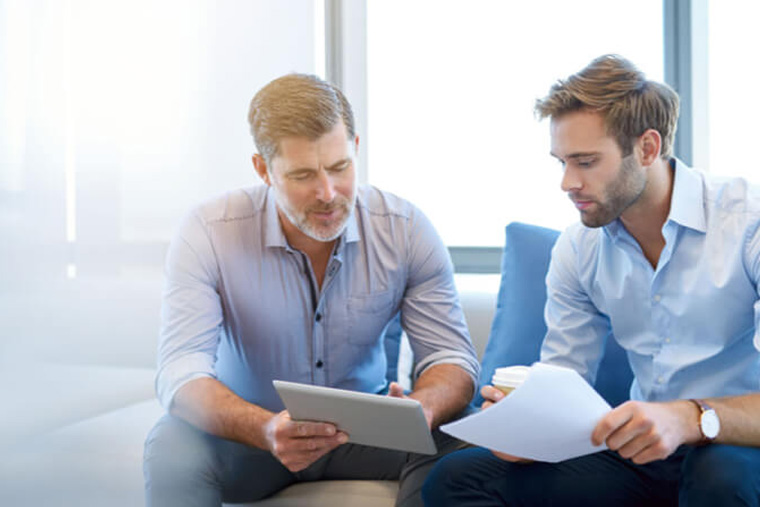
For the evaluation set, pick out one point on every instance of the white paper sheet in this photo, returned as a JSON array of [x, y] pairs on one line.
[[550, 417]]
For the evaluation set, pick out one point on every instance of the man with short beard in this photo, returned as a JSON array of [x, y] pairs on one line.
[[666, 262], [297, 280]]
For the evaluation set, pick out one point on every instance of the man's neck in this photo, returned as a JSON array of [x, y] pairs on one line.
[[645, 219], [318, 251]]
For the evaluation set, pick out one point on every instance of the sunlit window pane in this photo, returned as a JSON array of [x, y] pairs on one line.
[[451, 91], [733, 78], [117, 117]]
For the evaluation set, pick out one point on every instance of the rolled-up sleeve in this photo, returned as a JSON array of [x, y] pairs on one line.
[[576, 330], [751, 258], [191, 311], [431, 313]]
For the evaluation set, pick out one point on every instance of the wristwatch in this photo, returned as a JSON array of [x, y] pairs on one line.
[[709, 424]]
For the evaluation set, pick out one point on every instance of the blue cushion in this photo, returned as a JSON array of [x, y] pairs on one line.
[[518, 327]]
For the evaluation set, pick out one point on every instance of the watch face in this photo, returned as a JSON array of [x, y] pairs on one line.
[[710, 424]]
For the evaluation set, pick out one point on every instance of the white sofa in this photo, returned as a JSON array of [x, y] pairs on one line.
[[76, 391]]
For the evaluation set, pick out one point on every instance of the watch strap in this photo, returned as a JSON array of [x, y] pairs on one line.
[[703, 407]]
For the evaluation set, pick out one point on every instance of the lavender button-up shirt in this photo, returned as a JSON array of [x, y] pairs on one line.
[[242, 306]]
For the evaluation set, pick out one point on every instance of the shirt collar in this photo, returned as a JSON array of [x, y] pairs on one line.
[[350, 234], [686, 203], [275, 237]]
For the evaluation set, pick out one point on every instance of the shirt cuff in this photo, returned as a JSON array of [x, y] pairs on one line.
[[171, 376], [464, 361]]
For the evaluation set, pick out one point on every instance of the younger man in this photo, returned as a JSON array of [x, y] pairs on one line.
[[666, 262]]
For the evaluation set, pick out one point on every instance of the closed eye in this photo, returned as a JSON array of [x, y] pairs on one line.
[[340, 166], [301, 175], [584, 160]]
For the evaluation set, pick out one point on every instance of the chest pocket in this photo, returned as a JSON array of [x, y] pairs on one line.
[[367, 315]]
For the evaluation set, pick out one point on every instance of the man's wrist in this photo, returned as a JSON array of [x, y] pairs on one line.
[[707, 422], [690, 416]]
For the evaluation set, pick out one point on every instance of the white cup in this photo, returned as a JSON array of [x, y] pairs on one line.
[[509, 378]]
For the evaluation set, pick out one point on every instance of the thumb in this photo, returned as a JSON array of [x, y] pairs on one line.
[[395, 390]]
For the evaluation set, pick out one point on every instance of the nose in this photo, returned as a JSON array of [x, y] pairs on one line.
[[326, 187], [570, 180]]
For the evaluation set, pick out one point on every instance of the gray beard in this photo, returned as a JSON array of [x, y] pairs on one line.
[[303, 225]]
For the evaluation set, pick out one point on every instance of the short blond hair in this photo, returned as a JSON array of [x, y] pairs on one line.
[[630, 104], [296, 105]]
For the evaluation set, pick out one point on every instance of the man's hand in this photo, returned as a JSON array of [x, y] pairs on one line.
[[298, 444], [396, 391], [645, 432], [491, 396]]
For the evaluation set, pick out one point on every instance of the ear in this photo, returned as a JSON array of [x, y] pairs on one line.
[[650, 144], [261, 168], [356, 144]]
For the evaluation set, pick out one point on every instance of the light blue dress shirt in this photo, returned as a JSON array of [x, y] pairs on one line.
[[242, 306], [689, 326]]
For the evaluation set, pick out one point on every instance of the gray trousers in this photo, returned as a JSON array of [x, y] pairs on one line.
[[187, 467]]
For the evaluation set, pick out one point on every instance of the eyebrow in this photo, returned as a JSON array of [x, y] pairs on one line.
[[329, 168], [577, 155]]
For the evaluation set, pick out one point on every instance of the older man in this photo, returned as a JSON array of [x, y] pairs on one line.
[[296, 280]]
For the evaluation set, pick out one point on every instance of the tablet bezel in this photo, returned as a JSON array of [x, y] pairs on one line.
[[368, 419]]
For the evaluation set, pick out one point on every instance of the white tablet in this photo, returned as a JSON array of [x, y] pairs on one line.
[[368, 419]]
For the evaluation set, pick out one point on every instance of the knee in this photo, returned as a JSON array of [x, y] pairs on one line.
[[437, 481], [719, 475], [457, 478], [437, 486], [175, 453]]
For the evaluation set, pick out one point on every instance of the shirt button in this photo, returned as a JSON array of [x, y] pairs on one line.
[[320, 364], [667, 340], [318, 317], [660, 380], [657, 298]]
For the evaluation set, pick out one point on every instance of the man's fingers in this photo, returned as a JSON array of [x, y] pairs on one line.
[[298, 453], [306, 445], [511, 458], [635, 434], [308, 429], [657, 451], [636, 445], [298, 444], [491, 394], [610, 423], [298, 462], [395, 390]]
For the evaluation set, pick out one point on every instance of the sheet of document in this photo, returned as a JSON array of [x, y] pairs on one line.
[[550, 417]]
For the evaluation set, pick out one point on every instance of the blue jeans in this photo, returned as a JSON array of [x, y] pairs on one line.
[[711, 475]]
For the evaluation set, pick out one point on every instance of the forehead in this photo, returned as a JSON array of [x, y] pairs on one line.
[[302, 151], [580, 132]]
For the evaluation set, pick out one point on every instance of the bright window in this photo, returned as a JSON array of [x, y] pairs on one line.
[[451, 88], [732, 80], [117, 117]]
